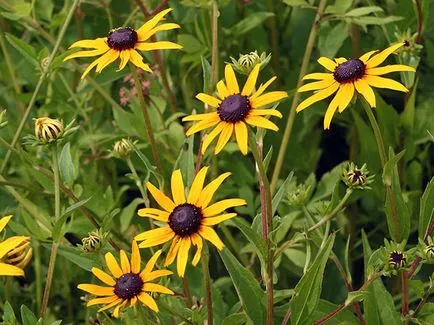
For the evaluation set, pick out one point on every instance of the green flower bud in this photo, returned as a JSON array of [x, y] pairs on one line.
[[93, 242], [122, 148], [357, 178], [247, 62], [397, 260]]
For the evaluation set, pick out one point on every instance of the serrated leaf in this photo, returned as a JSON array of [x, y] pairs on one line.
[[24, 48], [66, 166], [308, 289], [251, 295], [426, 209], [363, 11], [27, 317]]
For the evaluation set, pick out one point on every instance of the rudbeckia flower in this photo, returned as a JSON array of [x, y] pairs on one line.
[[122, 43], [127, 282], [235, 110], [14, 255], [346, 76], [188, 219]]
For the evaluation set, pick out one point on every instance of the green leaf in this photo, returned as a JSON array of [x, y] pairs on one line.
[[206, 71], [298, 3], [267, 159], [73, 255], [308, 289], [254, 238], [355, 296], [363, 11], [24, 48], [426, 209], [185, 161], [398, 217], [128, 213], [280, 193], [235, 319], [190, 43], [66, 166], [251, 21], [20, 9], [330, 40], [8, 314], [363, 21], [27, 317], [345, 317], [251, 295]]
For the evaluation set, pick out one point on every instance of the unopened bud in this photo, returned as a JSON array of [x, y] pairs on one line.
[[247, 62], [357, 178], [122, 148], [48, 130]]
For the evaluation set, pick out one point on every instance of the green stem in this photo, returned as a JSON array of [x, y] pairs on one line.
[[290, 122], [9, 65], [39, 84], [186, 289], [208, 293], [274, 38], [266, 214], [404, 302], [214, 49], [377, 132], [146, 118], [137, 179], [38, 274]]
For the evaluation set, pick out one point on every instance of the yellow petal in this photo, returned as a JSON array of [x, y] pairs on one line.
[[347, 95], [209, 234], [324, 93], [317, 76], [154, 214], [220, 206], [113, 265], [171, 254], [262, 88], [153, 287], [137, 60], [84, 54], [317, 85], [162, 200], [148, 301], [222, 90], [10, 243], [125, 57], [249, 86], [118, 308], [365, 57], [96, 290], [210, 189], [104, 277], [184, 248], [158, 237], [389, 69], [204, 124], [224, 137], [104, 300], [106, 59], [177, 186], [241, 135], [340, 60], [89, 68], [207, 99], [331, 109], [163, 45], [197, 186], [264, 112], [110, 305], [231, 80], [327, 63], [268, 98], [4, 221], [211, 136], [141, 32], [262, 122], [10, 270], [144, 36], [98, 43], [366, 91], [133, 301], [380, 57], [125, 263], [155, 275], [196, 240], [135, 258], [380, 82], [211, 221], [198, 117]]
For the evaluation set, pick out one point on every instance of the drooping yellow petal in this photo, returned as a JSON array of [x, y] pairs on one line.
[[324, 93], [198, 117], [380, 57], [151, 263], [153, 287], [389, 69], [264, 112], [209, 234], [365, 57], [209, 190], [380, 82], [96, 290], [204, 124], [317, 76], [268, 98], [207, 99], [224, 137], [110, 305], [104, 300], [317, 85], [231, 80], [164, 236], [137, 60], [222, 90], [347, 95], [10, 243], [148, 301], [366, 91], [177, 186], [162, 200], [85, 54], [261, 122], [196, 240], [113, 265], [262, 88], [10, 270], [211, 221], [197, 186], [162, 45], [212, 135], [109, 57], [141, 32], [118, 308], [154, 214], [241, 134], [327, 63], [98, 43], [104, 277], [249, 86], [173, 250], [135, 258], [220, 206], [144, 36], [331, 109], [133, 301], [155, 275], [125, 57], [89, 68], [125, 263], [4, 221], [181, 262]]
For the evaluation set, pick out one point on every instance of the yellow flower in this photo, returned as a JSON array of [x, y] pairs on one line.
[[128, 283], [235, 109], [14, 255], [123, 42], [48, 129], [189, 220], [346, 76]]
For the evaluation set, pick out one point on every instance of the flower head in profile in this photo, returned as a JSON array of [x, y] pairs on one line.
[[189, 219], [123, 43], [128, 283], [235, 110], [345, 77], [15, 253]]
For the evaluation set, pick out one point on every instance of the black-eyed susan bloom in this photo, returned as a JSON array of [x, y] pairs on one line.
[[348, 76], [235, 110], [128, 283], [189, 219], [123, 43], [14, 255]]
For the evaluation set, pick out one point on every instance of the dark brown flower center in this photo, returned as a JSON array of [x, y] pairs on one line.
[[128, 286], [397, 259], [356, 177], [234, 108], [122, 39], [185, 219], [349, 71]]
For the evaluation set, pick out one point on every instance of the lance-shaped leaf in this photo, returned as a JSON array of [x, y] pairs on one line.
[[426, 209]]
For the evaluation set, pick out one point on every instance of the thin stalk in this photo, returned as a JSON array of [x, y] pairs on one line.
[[55, 244], [146, 118], [274, 31], [423, 301], [334, 212], [266, 214], [186, 289], [290, 122], [9, 65], [208, 293], [38, 274], [419, 14], [214, 49], [404, 302], [39, 84]]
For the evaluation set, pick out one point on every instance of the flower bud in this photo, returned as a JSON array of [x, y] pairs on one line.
[[3, 122], [93, 242], [21, 255], [357, 178], [122, 148], [247, 62], [48, 130], [397, 260]]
